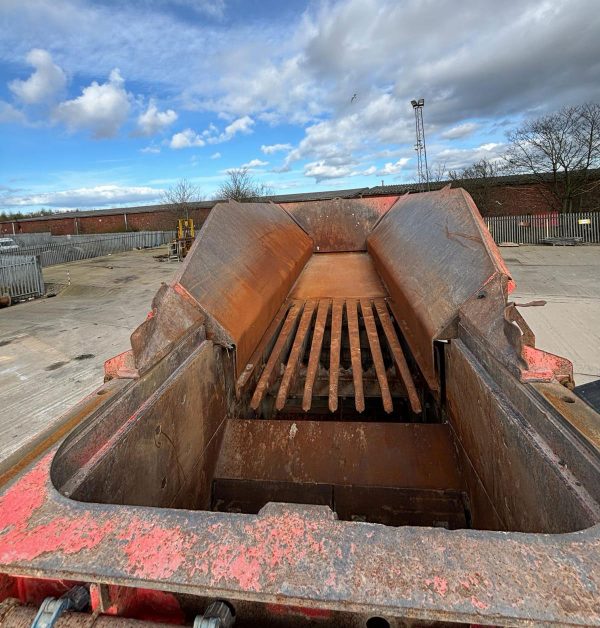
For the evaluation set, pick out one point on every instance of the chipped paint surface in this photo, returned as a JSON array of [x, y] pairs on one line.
[[298, 553]]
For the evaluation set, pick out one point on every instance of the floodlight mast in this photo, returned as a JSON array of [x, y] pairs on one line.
[[420, 147]]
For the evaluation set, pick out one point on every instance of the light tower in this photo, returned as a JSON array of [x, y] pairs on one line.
[[422, 169]]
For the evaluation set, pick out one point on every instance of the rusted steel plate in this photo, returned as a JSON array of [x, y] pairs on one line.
[[396, 350], [369, 320], [262, 351], [355, 353], [241, 268], [337, 313], [409, 455], [296, 353], [575, 411], [387, 505], [160, 454], [339, 275], [172, 316], [315, 352], [446, 257], [302, 556], [270, 371], [529, 489], [339, 224]]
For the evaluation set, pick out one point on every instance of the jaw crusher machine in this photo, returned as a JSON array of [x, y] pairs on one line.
[[332, 416]]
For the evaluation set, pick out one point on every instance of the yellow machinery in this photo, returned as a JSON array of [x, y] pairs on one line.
[[185, 237]]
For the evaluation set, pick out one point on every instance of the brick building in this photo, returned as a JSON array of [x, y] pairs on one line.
[[501, 196]]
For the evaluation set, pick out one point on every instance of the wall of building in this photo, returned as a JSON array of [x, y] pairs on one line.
[[102, 223], [499, 200]]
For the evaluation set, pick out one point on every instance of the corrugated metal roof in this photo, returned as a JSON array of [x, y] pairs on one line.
[[316, 196]]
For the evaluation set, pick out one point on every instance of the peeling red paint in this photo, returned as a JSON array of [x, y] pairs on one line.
[[543, 365], [20, 541], [155, 553], [24, 497], [479, 604], [440, 585]]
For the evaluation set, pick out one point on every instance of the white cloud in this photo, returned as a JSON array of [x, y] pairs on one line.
[[240, 125], [394, 168], [46, 82], [211, 8], [101, 108], [254, 163], [97, 196], [274, 148], [321, 171], [186, 139], [216, 155], [462, 130], [458, 158], [153, 121], [150, 149], [9, 114]]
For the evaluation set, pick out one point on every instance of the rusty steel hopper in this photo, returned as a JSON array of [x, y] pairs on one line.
[[332, 416]]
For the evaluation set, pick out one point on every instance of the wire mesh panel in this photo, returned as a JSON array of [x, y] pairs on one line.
[[62, 249], [21, 276], [535, 228], [31, 239]]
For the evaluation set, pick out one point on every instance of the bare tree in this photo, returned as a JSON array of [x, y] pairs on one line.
[[180, 195], [559, 150], [241, 186], [437, 172]]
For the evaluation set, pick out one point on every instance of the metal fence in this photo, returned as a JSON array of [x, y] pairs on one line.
[[533, 229], [62, 249], [30, 239], [21, 276]]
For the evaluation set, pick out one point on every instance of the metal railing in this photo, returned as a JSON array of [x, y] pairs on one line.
[[62, 249], [21, 276], [30, 239], [535, 228]]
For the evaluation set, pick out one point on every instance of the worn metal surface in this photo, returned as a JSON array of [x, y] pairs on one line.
[[315, 352], [521, 476], [148, 449], [334, 352], [355, 337], [575, 411], [339, 275], [433, 252], [173, 315], [241, 267], [296, 353], [299, 555], [396, 350], [340, 224], [275, 358], [355, 353], [369, 322], [404, 455]]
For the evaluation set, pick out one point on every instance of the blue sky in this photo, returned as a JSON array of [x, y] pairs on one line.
[[108, 103]]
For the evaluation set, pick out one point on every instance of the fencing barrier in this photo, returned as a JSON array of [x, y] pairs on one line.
[[21, 276], [533, 229], [62, 249]]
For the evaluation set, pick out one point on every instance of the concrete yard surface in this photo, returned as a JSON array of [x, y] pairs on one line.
[[568, 279], [52, 350]]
